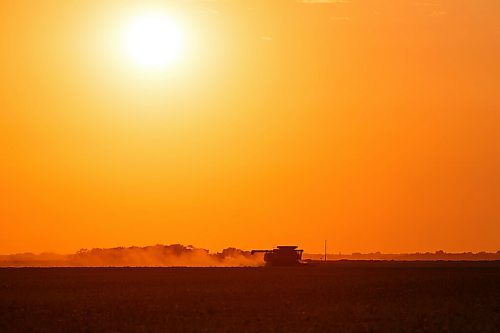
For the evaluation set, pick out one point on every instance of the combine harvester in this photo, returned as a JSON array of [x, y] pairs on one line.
[[282, 256]]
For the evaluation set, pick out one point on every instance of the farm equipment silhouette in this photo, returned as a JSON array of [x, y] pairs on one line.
[[281, 256]]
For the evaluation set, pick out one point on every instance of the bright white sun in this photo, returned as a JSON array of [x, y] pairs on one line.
[[153, 41]]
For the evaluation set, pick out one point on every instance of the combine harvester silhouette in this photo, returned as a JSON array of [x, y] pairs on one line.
[[282, 256]]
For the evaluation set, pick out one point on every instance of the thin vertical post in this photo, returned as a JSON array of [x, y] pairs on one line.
[[325, 249]]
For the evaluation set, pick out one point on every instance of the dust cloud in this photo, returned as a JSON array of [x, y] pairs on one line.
[[151, 256]]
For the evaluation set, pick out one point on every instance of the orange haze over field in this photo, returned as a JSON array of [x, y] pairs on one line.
[[373, 124]]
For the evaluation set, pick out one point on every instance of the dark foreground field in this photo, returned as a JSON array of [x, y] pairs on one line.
[[342, 297]]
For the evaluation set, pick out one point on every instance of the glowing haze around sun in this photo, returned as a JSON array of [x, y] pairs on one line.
[[153, 41]]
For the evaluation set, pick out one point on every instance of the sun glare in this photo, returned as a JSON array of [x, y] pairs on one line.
[[153, 41]]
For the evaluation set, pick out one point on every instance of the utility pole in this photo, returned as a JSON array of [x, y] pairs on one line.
[[325, 250]]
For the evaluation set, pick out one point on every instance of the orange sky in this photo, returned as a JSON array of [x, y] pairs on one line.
[[373, 124]]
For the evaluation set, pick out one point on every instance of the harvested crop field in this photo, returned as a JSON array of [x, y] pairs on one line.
[[338, 296]]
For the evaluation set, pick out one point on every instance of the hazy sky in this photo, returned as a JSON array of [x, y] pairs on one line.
[[373, 124]]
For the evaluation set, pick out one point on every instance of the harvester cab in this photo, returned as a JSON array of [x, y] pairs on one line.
[[281, 256]]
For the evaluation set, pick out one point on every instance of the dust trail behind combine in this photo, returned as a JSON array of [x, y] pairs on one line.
[[158, 255]]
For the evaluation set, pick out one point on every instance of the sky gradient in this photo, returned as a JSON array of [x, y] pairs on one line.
[[373, 124]]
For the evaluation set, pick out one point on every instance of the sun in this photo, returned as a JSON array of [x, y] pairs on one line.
[[153, 40]]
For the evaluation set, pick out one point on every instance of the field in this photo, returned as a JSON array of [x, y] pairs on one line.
[[341, 297]]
